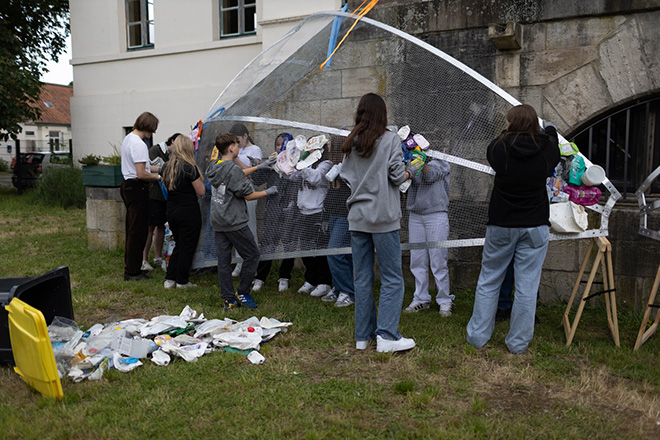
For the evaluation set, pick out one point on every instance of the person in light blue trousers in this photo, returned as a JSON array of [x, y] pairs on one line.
[[518, 226]]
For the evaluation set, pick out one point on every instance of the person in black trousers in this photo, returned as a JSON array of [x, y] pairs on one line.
[[134, 192], [184, 183]]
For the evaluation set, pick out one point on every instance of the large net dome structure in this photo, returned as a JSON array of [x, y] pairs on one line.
[[284, 90]]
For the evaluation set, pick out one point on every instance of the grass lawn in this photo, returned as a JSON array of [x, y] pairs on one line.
[[314, 384]]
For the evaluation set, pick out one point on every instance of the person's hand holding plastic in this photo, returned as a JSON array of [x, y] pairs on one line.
[[547, 124], [267, 163], [271, 190], [415, 166]]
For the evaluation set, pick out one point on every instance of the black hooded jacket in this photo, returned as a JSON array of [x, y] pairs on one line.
[[522, 162]]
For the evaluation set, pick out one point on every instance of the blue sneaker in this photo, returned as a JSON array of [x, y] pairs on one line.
[[231, 305], [246, 300]]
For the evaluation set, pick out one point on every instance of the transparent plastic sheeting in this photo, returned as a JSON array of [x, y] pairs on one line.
[[283, 90]]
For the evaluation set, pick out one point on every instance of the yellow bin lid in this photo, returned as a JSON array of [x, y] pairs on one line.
[[32, 350]]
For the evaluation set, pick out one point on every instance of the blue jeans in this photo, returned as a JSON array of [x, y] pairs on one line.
[[385, 322], [341, 266], [527, 247]]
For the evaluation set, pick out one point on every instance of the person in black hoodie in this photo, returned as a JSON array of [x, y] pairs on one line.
[[518, 226]]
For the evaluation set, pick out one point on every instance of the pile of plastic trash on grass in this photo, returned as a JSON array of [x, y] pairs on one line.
[[87, 355]]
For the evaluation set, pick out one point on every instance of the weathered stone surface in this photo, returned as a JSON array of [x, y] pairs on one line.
[[649, 36], [577, 95], [314, 87], [534, 37], [357, 82], [105, 218], [567, 34], [622, 63], [507, 70], [562, 256], [338, 112], [544, 67]]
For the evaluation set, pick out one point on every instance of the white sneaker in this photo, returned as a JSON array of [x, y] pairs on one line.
[[330, 296], [445, 309], [416, 306], [362, 345], [283, 284], [257, 285], [385, 346], [185, 286], [160, 262], [146, 266], [344, 300], [237, 270], [320, 290], [169, 284], [306, 288]]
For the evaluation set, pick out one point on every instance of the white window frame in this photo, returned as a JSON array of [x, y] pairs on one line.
[[240, 10], [146, 24]]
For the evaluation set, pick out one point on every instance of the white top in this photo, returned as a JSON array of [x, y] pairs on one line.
[[133, 150], [252, 151]]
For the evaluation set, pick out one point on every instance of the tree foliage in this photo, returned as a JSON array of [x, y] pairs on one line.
[[32, 32]]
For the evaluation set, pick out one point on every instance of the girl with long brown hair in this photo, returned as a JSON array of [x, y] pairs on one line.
[[518, 226], [373, 168]]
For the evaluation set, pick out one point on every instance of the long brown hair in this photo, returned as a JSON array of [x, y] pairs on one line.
[[183, 150], [523, 119], [370, 124]]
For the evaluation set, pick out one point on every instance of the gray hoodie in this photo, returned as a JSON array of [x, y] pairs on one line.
[[375, 204], [429, 191], [229, 188]]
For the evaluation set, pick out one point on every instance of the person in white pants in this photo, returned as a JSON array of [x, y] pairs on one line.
[[428, 200]]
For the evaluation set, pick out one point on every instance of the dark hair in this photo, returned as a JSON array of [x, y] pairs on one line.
[[146, 122], [285, 137], [370, 124], [224, 140], [523, 119], [172, 138], [240, 130]]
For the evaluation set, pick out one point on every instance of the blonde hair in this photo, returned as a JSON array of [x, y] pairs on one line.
[[183, 151]]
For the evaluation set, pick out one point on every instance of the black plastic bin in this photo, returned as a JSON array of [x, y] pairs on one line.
[[50, 293]]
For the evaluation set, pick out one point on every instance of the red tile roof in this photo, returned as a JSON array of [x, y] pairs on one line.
[[60, 111]]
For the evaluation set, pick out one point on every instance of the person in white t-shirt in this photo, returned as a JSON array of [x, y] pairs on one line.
[[135, 192], [247, 150]]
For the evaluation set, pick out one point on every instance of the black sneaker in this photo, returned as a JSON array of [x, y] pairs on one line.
[[139, 277]]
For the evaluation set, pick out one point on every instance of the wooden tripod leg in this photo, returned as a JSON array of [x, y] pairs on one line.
[[565, 320], [576, 320], [643, 336], [612, 296]]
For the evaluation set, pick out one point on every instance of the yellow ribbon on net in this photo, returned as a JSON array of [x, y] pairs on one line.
[[360, 14]]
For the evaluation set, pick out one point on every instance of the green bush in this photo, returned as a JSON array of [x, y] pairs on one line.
[[4, 165], [61, 187]]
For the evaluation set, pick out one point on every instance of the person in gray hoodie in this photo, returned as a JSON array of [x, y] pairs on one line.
[[428, 201], [373, 168], [229, 218]]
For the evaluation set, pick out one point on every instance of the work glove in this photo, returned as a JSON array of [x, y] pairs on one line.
[[547, 124], [268, 163], [415, 167], [271, 190]]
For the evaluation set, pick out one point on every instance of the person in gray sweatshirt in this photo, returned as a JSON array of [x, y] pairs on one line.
[[229, 218], [428, 201], [373, 168]]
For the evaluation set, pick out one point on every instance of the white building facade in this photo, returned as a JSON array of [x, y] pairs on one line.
[[169, 57]]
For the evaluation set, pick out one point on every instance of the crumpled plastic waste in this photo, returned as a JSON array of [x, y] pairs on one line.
[[125, 364], [121, 344], [159, 357]]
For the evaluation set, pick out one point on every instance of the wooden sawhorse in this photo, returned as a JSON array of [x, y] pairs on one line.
[[603, 259], [643, 335]]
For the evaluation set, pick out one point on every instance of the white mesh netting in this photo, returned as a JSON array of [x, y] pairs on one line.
[[283, 90]]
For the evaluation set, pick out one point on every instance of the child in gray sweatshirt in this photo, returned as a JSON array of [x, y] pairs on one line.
[[229, 218]]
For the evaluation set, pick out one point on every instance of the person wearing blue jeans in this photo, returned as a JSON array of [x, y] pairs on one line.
[[341, 266], [518, 226], [373, 169]]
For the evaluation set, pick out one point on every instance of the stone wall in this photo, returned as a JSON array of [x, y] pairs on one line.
[[577, 60], [106, 216]]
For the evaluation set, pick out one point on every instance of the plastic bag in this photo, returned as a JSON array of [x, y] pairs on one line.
[[583, 195], [62, 329], [567, 217]]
